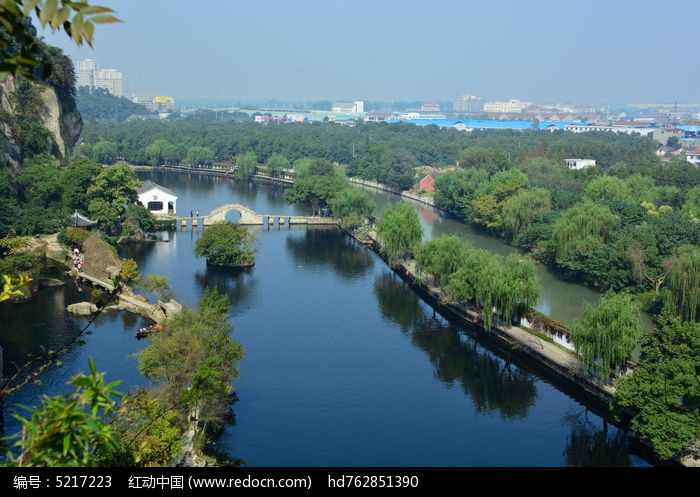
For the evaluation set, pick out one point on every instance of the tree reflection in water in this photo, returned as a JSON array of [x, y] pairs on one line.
[[493, 383], [319, 246], [589, 445]]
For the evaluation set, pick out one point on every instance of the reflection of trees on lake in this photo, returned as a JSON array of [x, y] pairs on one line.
[[592, 445], [318, 246], [137, 251], [25, 332], [397, 304], [493, 383], [236, 283]]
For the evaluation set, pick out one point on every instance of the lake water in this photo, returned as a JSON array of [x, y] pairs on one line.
[[344, 365]]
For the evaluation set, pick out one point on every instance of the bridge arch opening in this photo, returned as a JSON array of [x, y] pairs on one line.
[[233, 215]]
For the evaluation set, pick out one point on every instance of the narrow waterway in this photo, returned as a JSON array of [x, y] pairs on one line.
[[344, 365]]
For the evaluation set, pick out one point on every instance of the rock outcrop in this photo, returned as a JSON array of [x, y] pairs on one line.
[[58, 114]]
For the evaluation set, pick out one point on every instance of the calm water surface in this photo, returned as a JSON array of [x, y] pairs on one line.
[[344, 365]]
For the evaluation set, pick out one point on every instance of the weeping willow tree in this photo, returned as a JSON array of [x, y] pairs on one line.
[[399, 231], [605, 335], [523, 209], [441, 256], [519, 288], [683, 297], [582, 228]]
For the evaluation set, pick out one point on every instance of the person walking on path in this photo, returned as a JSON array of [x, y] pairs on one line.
[[191, 214]]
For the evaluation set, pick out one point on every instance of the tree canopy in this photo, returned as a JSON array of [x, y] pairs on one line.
[[605, 335], [663, 392], [399, 231], [226, 244]]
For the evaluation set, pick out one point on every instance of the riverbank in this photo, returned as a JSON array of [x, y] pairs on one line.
[[513, 348], [561, 361]]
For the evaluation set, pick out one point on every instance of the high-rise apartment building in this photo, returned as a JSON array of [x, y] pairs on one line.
[[466, 104], [86, 72], [90, 75]]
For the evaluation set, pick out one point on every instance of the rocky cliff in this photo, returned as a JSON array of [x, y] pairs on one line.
[[58, 114]]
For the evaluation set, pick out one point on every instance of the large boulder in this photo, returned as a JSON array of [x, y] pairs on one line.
[[82, 308], [161, 311]]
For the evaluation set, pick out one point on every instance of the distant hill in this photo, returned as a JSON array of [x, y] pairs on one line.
[[100, 104]]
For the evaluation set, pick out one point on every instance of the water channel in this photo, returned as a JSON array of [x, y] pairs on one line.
[[344, 365]]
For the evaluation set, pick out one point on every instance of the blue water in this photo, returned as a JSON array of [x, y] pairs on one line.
[[345, 365]]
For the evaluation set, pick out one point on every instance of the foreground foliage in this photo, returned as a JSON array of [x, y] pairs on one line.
[[663, 392], [193, 362], [71, 430]]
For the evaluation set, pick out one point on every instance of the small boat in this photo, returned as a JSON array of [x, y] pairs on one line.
[[147, 330], [143, 332]]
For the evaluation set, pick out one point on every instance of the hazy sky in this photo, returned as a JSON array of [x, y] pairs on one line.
[[593, 52]]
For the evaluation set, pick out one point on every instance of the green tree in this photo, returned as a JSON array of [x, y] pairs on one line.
[[41, 180], [524, 208], [491, 160], [486, 273], [156, 150], [316, 191], [76, 179], [199, 156], [129, 271], [520, 286], [455, 190], [399, 231], [606, 188], [276, 164], [156, 284], [71, 430], [195, 361], [104, 152], [684, 283], [226, 244], [582, 228], [605, 335], [691, 206], [352, 201], [440, 257], [490, 197], [662, 394], [116, 185], [137, 220], [105, 213], [246, 164]]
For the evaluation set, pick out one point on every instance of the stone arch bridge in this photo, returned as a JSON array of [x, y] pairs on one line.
[[250, 217]]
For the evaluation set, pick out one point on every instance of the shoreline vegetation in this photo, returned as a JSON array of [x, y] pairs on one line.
[[539, 341]]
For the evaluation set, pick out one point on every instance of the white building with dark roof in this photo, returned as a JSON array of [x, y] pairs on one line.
[[157, 199]]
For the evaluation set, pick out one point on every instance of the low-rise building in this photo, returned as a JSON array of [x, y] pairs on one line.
[[157, 199], [579, 163], [693, 156]]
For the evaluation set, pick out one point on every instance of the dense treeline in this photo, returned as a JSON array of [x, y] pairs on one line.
[[625, 227], [387, 153]]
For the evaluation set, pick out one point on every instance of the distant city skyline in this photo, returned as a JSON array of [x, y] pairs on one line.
[[597, 53]]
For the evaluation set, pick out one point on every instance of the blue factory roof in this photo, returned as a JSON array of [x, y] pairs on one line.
[[482, 123]]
